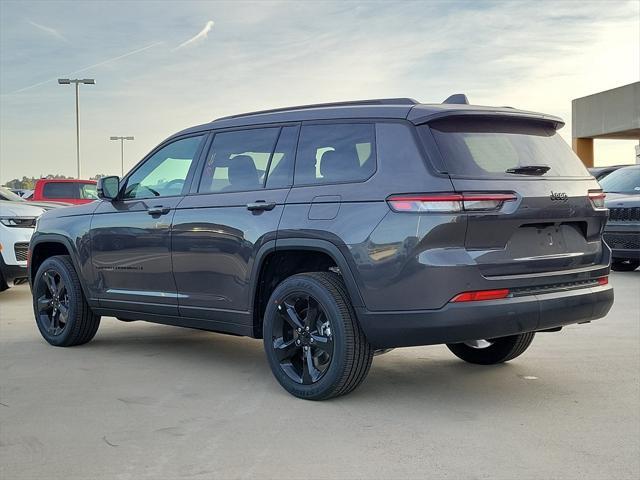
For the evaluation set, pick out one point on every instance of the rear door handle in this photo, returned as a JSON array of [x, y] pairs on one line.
[[158, 210], [261, 205]]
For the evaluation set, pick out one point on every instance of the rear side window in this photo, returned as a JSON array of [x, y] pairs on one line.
[[335, 153], [238, 161], [489, 147], [61, 190]]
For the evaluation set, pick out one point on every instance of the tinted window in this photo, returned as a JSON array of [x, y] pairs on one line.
[[335, 153], [281, 164], [238, 160], [61, 190], [623, 180], [488, 147], [164, 173]]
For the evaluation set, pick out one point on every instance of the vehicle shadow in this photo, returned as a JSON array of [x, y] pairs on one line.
[[425, 374]]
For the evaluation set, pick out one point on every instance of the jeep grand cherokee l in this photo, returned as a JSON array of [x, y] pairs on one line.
[[334, 231]]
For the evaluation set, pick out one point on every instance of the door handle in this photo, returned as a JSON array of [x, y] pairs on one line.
[[158, 210], [261, 205]]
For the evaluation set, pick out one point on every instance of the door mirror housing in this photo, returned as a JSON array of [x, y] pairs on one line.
[[108, 187]]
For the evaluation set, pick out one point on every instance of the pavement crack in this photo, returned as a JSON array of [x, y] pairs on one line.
[[108, 442]]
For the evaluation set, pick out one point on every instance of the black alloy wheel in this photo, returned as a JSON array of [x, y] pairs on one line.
[[52, 302], [314, 344], [62, 313], [302, 338]]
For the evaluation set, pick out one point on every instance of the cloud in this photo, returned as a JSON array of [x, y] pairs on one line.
[[83, 69], [51, 31], [204, 33]]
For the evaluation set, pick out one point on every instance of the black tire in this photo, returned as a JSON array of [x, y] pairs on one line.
[[79, 325], [625, 265], [351, 355], [501, 349]]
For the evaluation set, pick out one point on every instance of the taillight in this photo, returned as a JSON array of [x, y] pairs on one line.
[[603, 281], [449, 202], [597, 198], [481, 295]]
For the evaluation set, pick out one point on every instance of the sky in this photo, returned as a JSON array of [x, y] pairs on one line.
[[161, 66]]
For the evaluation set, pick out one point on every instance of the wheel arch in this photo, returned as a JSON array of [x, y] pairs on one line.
[[315, 248], [49, 245]]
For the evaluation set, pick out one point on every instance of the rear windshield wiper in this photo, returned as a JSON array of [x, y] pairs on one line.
[[529, 170]]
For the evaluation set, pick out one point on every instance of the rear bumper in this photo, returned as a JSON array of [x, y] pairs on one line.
[[488, 319]]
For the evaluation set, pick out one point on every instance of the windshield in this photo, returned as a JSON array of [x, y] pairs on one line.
[[623, 180], [6, 194], [492, 147]]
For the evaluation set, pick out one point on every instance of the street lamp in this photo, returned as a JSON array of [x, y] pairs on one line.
[[77, 82], [122, 139]]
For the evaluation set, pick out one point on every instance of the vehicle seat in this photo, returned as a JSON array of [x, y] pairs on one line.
[[338, 166], [243, 173]]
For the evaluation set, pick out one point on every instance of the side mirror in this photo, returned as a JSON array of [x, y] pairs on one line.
[[108, 187]]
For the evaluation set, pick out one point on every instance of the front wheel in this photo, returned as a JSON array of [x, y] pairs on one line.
[[625, 265], [314, 344], [495, 350], [62, 314]]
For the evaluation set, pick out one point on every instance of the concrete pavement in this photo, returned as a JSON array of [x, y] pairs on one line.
[[146, 401]]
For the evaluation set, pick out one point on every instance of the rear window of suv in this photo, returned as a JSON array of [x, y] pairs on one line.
[[489, 147]]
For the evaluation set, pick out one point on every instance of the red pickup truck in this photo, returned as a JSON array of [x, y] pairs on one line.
[[65, 190]]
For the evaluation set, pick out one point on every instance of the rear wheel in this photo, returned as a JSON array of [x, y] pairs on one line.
[[625, 265], [314, 344], [62, 313], [492, 351]]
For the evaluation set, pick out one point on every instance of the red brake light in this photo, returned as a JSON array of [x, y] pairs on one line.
[[481, 295], [603, 281], [597, 198], [449, 202]]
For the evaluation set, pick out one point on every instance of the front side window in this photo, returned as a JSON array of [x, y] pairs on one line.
[[88, 191], [238, 161], [335, 153], [165, 172]]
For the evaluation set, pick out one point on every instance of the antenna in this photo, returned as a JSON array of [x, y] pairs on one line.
[[457, 98]]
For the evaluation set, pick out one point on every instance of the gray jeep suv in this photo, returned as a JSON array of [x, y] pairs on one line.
[[336, 231]]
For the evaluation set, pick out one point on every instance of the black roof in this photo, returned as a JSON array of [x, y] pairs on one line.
[[393, 108]]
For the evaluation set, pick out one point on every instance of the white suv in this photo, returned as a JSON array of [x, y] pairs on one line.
[[17, 221]]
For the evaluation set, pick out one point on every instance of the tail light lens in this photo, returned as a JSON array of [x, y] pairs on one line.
[[597, 198], [603, 281], [449, 202], [481, 295]]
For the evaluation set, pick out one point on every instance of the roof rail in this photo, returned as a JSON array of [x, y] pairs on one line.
[[353, 103], [457, 98]]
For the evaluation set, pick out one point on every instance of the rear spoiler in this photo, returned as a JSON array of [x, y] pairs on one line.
[[419, 115]]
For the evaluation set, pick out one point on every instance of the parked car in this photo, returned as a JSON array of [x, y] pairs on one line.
[[23, 193], [337, 231], [70, 191], [600, 172], [622, 232], [9, 196], [17, 221]]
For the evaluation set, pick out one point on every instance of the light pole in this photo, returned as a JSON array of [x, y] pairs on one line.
[[77, 82], [122, 139]]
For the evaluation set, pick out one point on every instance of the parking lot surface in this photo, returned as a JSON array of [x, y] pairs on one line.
[[146, 401]]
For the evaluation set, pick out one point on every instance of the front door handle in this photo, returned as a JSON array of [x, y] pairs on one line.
[[158, 210], [261, 205]]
